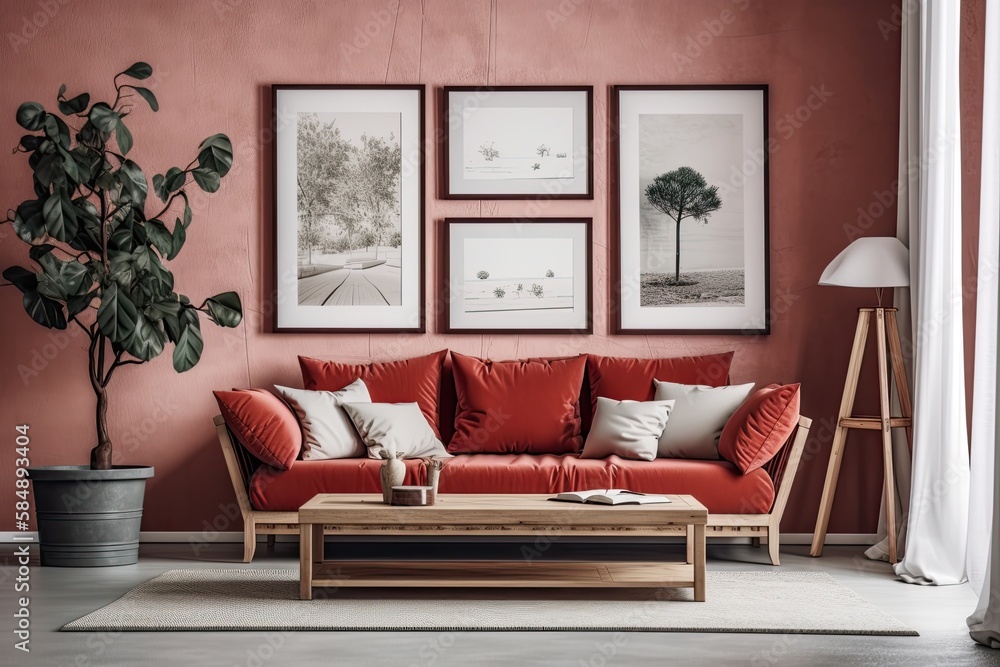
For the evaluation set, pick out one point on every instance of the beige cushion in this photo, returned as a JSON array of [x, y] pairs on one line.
[[629, 429], [394, 427], [327, 432], [698, 417]]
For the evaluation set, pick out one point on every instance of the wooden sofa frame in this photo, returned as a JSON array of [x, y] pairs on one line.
[[758, 527]]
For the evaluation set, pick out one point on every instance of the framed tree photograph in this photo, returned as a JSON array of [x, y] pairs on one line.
[[507, 275], [517, 142], [689, 209], [348, 166]]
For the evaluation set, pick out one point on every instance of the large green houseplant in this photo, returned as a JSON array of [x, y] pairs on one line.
[[99, 252]]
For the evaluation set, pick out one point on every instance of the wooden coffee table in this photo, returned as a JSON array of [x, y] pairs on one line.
[[502, 515]]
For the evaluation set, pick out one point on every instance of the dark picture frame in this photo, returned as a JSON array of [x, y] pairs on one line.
[[533, 303], [654, 303], [465, 112], [383, 124]]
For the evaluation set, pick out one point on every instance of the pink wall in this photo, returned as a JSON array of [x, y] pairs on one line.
[[214, 61]]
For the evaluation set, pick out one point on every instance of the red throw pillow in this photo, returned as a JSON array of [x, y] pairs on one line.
[[415, 380], [631, 379], [517, 406], [263, 424], [759, 427]]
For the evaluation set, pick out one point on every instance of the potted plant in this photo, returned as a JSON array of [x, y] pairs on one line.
[[99, 265]]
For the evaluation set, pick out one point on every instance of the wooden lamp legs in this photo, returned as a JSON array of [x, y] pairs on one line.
[[889, 355]]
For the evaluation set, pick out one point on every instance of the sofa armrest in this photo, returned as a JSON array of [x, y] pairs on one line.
[[240, 463], [783, 467]]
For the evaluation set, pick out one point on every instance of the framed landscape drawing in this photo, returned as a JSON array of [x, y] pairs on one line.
[[517, 142], [689, 209], [507, 275], [348, 208]]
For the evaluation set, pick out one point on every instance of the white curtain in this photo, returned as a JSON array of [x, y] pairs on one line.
[[983, 559], [937, 523]]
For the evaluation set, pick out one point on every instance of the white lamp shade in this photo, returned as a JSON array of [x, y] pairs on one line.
[[874, 261]]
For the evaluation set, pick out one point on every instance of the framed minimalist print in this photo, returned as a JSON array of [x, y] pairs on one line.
[[507, 142], [506, 275], [689, 209], [348, 208]]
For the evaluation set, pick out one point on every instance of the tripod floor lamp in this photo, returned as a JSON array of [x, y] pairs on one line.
[[878, 262]]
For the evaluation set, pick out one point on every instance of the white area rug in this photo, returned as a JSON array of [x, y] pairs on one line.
[[259, 599]]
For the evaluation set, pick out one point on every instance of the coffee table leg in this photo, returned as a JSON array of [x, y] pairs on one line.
[[305, 561], [318, 544], [699, 563], [689, 541]]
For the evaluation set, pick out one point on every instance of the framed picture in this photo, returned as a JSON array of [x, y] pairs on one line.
[[507, 275], [348, 167], [689, 209], [517, 142]]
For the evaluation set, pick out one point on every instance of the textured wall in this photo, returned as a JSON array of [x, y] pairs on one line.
[[214, 61]]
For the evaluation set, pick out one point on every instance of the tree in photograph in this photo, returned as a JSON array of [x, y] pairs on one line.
[[396, 239], [483, 275], [488, 152], [375, 174], [681, 194], [366, 239], [499, 292], [537, 290], [550, 274], [543, 150], [322, 159]]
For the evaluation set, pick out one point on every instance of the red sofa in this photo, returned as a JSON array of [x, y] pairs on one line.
[[740, 504]]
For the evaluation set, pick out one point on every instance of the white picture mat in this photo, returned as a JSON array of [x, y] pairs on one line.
[[289, 103], [576, 318], [577, 100], [748, 103]]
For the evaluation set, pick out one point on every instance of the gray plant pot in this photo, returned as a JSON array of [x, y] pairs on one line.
[[88, 518]]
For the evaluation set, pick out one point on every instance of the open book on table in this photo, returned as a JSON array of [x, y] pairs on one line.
[[612, 497]]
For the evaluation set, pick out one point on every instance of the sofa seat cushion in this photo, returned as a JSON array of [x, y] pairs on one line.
[[716, 484], [272, 490], [523, 473]]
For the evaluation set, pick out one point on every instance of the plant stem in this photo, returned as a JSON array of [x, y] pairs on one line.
[[100, 456]]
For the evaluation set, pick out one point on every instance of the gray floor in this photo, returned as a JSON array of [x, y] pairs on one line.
[[61, 595]]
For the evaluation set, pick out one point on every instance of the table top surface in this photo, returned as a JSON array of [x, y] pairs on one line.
[[482, 508]]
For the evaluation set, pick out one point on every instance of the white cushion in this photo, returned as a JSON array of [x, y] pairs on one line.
[[327, 432], [698, 417], [394, 427], [630, 429]]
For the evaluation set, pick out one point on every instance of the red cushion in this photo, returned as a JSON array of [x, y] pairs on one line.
[[759, 427], [263, 424], [716, 484], [286, 491], [517, 406], [630, 379], [415, 380], [524, 473]]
